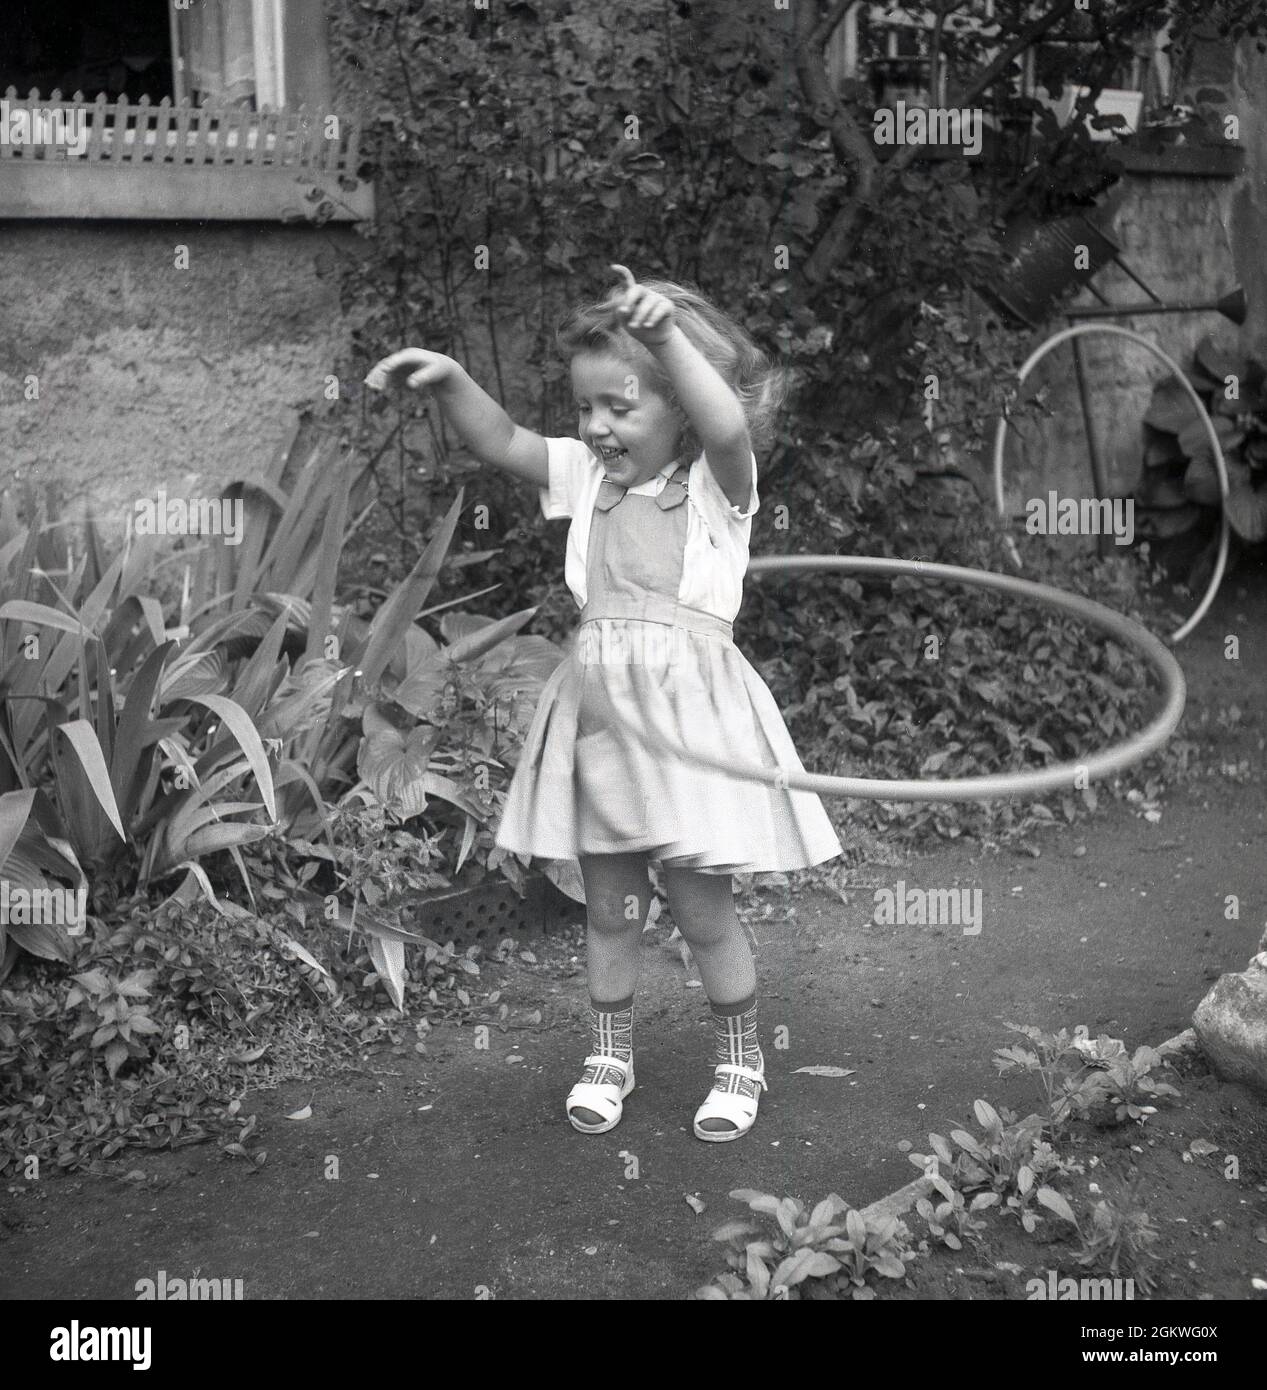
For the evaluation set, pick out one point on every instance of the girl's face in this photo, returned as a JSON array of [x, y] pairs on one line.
[[633, 430]]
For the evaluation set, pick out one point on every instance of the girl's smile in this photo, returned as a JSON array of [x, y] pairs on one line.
[[634, 431]]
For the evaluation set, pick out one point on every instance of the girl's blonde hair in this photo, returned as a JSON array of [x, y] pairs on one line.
[[759, 384]]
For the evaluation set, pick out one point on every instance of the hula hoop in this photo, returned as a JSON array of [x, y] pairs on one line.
[[1220, 464], [1063, 776]]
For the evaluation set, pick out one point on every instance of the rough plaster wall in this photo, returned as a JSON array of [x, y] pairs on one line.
[[151, 376], [1249, 198], [1173, 234], [1191, 239]]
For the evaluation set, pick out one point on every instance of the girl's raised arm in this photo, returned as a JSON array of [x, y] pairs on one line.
[[483, 426], [710, 405]]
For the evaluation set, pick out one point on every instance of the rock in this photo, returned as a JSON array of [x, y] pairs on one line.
[[1231, 1025]]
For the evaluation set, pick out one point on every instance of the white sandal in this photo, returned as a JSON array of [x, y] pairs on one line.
[[739, 1109], [606, 1099]]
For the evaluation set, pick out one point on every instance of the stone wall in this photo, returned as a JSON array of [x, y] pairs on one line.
[[1190, 238], [152, 376]]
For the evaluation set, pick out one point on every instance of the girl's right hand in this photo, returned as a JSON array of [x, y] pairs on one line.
[[417, 367]]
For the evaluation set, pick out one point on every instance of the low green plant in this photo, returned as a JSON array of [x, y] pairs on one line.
[[1121, 1234], [829, 1252], [163, 1018], [1009, 1158], [114, 1012], [952, 1220], [1083, 1077]]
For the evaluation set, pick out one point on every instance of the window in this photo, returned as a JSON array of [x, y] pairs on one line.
[[122, 49], [890, 46], [213, 109]]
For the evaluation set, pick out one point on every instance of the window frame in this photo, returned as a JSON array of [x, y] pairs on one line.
[[169, 159]]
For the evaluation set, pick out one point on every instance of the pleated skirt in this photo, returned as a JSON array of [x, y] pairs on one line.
[[586, 783]]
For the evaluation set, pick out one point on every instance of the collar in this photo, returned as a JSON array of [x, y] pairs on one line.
[[672, 494]]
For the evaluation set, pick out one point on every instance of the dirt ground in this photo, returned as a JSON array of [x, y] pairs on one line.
[[1198, 1168], [460, 1177]]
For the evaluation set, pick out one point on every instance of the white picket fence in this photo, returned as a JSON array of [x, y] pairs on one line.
[[70, 157], [170, 132]]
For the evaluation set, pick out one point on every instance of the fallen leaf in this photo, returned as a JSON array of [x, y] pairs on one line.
[[514, 1057], [693, 1202], [305, 955], [253, 1055], [825, 1071], [304, 1114]]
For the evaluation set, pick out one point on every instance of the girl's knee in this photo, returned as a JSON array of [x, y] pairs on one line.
[[617, 893], [709, 930], [703, 906], [614, 913]]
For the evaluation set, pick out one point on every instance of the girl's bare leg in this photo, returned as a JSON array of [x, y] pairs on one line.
[[703, 907], [617, 900]]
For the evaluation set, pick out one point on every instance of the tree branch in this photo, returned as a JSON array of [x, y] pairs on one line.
[[1019, 44], [847, 138], [827, 26], [853, 146]]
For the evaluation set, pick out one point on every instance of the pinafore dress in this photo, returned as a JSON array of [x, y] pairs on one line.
[[587, 784]]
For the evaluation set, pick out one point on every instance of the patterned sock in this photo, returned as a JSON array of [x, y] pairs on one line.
[[611, 1033], [735, 1031]]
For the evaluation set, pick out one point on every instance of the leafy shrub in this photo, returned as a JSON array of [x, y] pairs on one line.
[[166, 1020], [177, 721], [1085, 1078], [155, 1030], [906, 677], [1178, 488]]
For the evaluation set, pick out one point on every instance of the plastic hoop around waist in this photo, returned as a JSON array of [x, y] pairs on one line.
[[1064, 776]]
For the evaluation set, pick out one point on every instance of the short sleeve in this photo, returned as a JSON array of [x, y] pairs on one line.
[[570, 466], [724, 503]]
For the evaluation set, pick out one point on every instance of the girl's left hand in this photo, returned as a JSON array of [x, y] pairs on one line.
[[648, 316]]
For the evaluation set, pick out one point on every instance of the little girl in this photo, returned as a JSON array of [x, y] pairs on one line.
[[661, 489]]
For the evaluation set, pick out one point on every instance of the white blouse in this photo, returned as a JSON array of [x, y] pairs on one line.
[[717, 533]]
